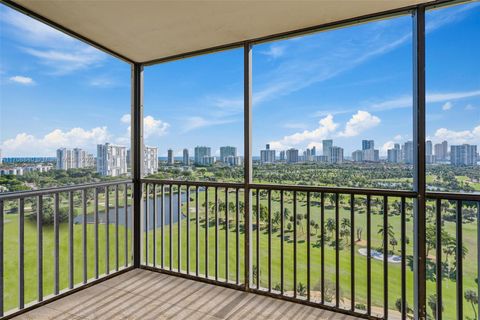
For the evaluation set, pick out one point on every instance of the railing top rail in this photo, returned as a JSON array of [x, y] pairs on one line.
[[195, 183], [453, 196], [40, 192], [338, 190]]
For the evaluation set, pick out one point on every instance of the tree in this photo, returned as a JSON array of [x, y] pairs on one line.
[[432, 303], [330, 226], [471, 296]]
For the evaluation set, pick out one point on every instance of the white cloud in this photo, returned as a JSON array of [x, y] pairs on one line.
[[22, 80], [469, 107], [154, 127], [326, 126], [359, 122], [294, 125], [447, 106], [458, 137], [193, 123], [27, 144], [274, 51], [125, 118]]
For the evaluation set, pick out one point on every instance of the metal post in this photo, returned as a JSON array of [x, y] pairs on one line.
[[247, 143], [419, 162], [137, 163]]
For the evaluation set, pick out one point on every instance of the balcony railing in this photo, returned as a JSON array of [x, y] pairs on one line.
[[319, 246]]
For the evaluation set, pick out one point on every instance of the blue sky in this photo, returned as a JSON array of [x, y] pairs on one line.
[[346, 84]]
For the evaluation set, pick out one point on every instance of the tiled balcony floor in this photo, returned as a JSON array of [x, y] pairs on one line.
[[142, 294]]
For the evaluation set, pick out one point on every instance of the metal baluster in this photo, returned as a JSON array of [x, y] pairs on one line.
[[216, 233], [146, 214], [116, 227], [170, 225], [56, 224], [70, 240], [207, 224], [40, 248], [237, 235], [385, 257], [294, 244], [84, 235], [322, 245], [197, 243], [162, 235], [126, 225], [95, 218], [438, 258], [403, 260], [154, 225], [226, 235], [107, 230], [21, 256], [337, 252], [258, 237], [282, 237], [188, 229], [179, 225], [459, 258], [269, 240], [308, 246], [369, 257], [352, 252]]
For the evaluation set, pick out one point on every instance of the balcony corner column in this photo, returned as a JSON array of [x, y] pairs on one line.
[[247, 134], [136, 157], [419, 186]]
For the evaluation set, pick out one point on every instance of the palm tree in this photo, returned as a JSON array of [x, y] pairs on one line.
[[330, 226], [471, 296]]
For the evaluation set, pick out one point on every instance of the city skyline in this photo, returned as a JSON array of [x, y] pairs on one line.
[[91, 102]]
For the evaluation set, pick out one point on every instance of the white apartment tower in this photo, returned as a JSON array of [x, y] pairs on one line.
[[111, 160], [267, 155], [150, 160]]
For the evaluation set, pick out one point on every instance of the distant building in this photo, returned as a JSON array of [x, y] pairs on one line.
[[208, 160], [74, 159], [267, 155], [357, 156], [292, 155], [186, 158], [282, 155], [441, 151], [336, 156], [407, 152], [394, 155], [429, 158], [463, 155], [368, 144], [170, 159], [314, 151], [1, 159], [233, 160], [19, 171], [321, 159], [326, 147], [308, 156], [111, 160], [201, 153], [371, 155], [227, 151], [150, 160]]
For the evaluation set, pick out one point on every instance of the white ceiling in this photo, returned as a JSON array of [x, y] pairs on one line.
[[144, 30]]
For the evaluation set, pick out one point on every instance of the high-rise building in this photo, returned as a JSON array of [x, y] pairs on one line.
[[314, 151], [282, 155], [292, 155], [1, 159], [208, 160], [394, 155], [357, 156], [267, 155], [186, 157], [74, 159], [111, 160], [441, 151], [308, 156], [368, 144], [170, 159], [371, 155], [227, 151], [200, 153], [233, 160], [150, 160], [429, 159], [463, 155], [326, 146], [336, 155], [407, 152]]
